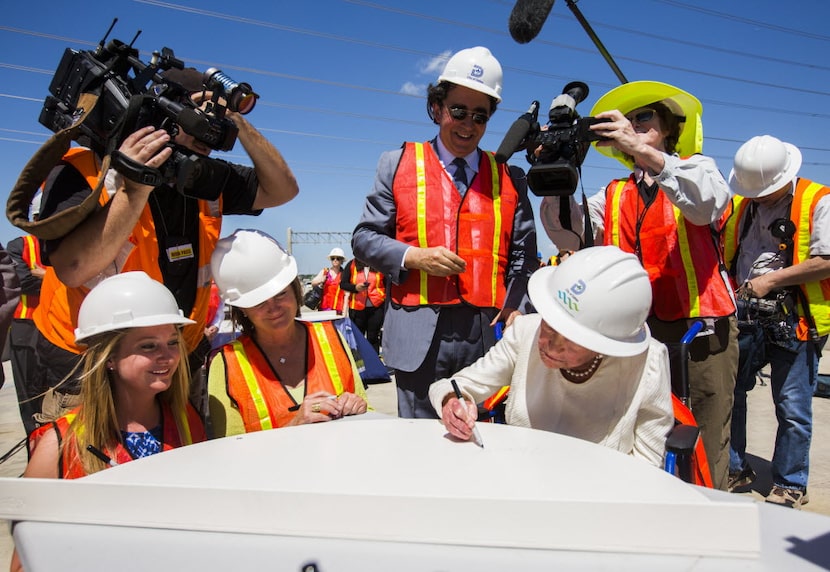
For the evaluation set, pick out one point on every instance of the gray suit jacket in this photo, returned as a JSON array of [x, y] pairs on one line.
[[408, 332]]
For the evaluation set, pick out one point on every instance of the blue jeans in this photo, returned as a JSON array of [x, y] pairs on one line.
[[793, 370]]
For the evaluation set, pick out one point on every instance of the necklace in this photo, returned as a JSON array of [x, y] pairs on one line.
[[587, 372]]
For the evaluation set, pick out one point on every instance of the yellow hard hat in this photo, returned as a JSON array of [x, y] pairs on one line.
[[636, 94]]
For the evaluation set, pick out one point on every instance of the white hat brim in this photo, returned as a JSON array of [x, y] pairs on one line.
[[542, 294], [778, 182]]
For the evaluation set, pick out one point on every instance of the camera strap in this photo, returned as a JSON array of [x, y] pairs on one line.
[[135, 171], [35, 173], [565, 220]]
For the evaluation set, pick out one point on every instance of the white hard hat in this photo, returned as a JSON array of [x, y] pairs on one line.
[[763, 165], [475, 68], [337, 252], [249, 267], [127, 300], [598, 298]]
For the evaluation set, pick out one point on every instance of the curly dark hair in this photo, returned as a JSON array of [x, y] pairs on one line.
[[437, 94]]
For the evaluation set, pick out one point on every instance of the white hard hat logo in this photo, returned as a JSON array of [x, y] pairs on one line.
[[477, 72], [570, 303]]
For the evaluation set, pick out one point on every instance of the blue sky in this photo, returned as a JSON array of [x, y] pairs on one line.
[[343, 80]]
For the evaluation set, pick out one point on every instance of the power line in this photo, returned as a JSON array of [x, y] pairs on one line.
[[742, 20], [430, 17]]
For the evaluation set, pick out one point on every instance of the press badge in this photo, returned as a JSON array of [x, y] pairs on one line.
[[179, 252]]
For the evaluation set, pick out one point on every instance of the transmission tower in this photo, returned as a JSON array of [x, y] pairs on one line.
[[318, 237]]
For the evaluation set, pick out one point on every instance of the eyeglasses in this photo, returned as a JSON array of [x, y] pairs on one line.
[[460, 114], [337, 258], [643, 116]]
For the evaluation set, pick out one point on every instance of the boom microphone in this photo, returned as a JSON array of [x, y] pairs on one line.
[[527, 19], [517, 133]]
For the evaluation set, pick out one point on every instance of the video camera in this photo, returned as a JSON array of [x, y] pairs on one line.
[[565, 142], [131, 95]]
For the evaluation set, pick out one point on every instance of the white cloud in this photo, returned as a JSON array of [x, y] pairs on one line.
[[436, 65], [410, 88]]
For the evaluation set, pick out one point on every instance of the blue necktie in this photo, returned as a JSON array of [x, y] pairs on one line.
[[459, 177]]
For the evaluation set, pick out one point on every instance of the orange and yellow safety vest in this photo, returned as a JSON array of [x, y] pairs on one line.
[[185, 428], [682, 259], [57, 314], [254, 387], [333, 295], [806, 197], [479, 227], [376, 291]]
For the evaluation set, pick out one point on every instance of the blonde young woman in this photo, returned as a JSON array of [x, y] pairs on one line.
[[133, 392]]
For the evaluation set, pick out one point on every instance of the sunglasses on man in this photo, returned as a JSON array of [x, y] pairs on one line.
[[460, 114]]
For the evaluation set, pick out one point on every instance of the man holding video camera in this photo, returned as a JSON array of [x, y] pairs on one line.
[[454, 232], [662, 212], [167, 233], [777, 248]]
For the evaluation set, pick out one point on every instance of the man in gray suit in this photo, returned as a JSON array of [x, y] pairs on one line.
[[454, 232]]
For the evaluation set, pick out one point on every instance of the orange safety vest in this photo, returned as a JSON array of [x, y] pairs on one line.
[[177, 431], [376, 292], [806, 197], [254, 387], [682, 259], [31, 256], [479, 227], [333, 295], [57, 314]]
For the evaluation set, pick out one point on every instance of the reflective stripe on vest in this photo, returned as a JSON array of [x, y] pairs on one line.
[[807, 195], [682, 259], [333, 295], [57, 312], [31, 256], [431, 212], [374, 292], [56, 315], [262, 400], [731, 230], [805, 198], [688, 263], [177, 431]]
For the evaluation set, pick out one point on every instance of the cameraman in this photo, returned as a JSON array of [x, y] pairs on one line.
[[662, 212], [137, 227], [777, 246]]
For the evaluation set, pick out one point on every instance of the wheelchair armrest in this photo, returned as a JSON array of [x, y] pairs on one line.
[[682, 439]]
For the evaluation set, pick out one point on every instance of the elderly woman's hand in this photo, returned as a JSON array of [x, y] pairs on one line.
[[459, 417], [351, 404]]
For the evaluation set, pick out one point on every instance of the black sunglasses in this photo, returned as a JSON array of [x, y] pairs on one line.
[[643, 116], [459, 114]]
